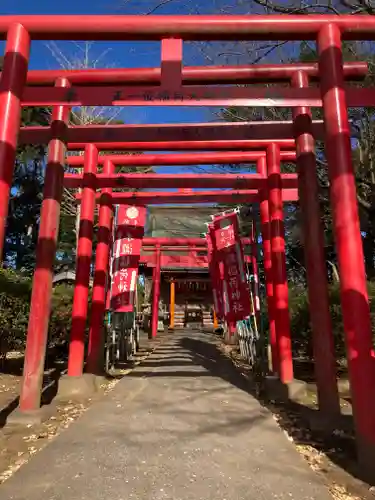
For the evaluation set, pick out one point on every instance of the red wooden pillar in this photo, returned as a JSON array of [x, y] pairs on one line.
[[96, 340], [280, 284], [313, 244], [354, 299], [84, 254], [13, 80], [156, 293], [190, 251], [40, 305], [267, 264]]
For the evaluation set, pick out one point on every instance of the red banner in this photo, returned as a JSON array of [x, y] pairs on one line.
[[214, 269], [129, 229], [236, 295]]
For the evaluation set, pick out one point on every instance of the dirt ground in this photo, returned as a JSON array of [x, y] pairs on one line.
[[333, 456]]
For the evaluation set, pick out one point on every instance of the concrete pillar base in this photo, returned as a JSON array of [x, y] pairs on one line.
[[32, 417], [282, 393], [82, 387], [325, 423], [230, 338], [366, 459]]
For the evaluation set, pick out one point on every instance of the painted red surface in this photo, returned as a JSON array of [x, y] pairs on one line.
[[101, 279], [261, 73], [189, 95], [279, 275], [83, 266], [191, 27], [215, 196], [13, 79], [267, 264], [329, 31], [204, 158], [129, 229], [40, 304], [353, 286], [236, 297], [315, 259], [218, 131], [213, 266]]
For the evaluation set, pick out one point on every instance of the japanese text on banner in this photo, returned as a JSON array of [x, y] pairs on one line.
[[236, 296], [214, 273], [129, 230]]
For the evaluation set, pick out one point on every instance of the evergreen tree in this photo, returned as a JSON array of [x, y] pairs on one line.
[[25, 199]]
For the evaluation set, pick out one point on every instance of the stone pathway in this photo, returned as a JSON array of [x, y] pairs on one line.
[[181, 426]]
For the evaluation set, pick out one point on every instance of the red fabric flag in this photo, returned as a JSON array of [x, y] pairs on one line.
[[129, 231], [214, 269], [236, 294]]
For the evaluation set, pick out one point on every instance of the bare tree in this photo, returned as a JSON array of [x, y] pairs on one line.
[[318, 7], [81, 58], [301, 7]]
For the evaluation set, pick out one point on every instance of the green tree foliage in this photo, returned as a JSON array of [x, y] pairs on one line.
[[25, 197], [15, 292], [300, 319]]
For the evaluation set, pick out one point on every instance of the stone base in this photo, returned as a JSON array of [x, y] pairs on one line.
[[282, 393], [82, 387], [324, 423], [230, 339], [29, 418], [366, 459]]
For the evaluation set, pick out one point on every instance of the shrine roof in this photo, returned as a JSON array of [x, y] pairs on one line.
[[178, 222]]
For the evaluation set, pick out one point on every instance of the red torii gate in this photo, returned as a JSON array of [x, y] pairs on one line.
[[91, 181], [328, 31], [189, 180], [165, 181]]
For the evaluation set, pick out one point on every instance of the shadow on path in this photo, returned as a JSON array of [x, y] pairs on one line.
[[293, 417]]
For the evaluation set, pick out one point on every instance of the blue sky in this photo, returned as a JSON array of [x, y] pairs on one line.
[[120, 54], [126, 54]]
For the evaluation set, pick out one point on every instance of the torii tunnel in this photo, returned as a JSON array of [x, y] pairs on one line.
[[265, 144]]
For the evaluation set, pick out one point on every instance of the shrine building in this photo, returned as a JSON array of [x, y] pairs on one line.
[[185, 291]]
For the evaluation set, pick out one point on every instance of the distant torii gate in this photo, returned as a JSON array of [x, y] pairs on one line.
[[93, 180]]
